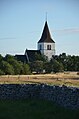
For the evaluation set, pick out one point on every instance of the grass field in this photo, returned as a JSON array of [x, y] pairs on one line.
[[35, 109], [68, 79]]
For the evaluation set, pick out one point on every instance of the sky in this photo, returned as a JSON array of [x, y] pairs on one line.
[[22, 23]]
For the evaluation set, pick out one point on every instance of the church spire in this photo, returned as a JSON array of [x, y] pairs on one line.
[[46, 44], [46, 37]]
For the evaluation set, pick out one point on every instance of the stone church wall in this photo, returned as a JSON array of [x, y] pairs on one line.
[[64, 96]]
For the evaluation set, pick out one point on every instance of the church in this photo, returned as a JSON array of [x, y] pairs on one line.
[[46, 46]]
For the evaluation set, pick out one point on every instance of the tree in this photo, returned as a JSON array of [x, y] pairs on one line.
[[48, 67], [26, 69], [1, 72], [17, 65], [41, 57], [62, 58], [9, 58], [57, 67], [36, 66], [9, 65], [70, 63], [1, 58], [6, 68]]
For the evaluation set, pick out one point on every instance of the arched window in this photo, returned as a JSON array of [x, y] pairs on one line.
[[48, 47]]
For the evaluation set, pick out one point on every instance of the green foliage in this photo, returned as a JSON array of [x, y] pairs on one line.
[[70, 63], [57, 67], [17, 65], [1, 58], [9, 58], [10, 65], [53, 66], [26, 69], [40, 57], [34, 109], [6, 67], [48, 67], [37, 66], [1, 72]]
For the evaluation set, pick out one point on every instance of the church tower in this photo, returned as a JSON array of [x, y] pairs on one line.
[[46, 44]]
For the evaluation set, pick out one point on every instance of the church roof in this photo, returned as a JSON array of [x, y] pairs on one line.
[[31, 54], [46, 37], [21, 58]]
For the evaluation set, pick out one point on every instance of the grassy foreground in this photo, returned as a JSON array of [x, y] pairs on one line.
[[34, 109], [68, 79]]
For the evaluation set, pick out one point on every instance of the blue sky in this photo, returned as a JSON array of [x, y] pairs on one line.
[[22, 22]]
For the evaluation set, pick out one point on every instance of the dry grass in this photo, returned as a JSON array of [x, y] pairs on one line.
[[68, 79]]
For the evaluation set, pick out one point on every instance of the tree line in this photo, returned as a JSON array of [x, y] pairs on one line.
[[59, 63], [9, 65]]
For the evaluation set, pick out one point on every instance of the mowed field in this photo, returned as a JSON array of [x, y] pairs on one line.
[[67, 78]]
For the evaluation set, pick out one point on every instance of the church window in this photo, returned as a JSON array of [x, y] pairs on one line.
[[40, 47], [48, 47]]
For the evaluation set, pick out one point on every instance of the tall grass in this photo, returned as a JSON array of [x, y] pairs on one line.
[[51, 79]]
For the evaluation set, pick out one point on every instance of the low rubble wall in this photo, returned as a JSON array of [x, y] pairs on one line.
[[64, 96]]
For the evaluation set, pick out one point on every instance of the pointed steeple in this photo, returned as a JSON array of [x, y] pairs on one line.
[[46, 37]]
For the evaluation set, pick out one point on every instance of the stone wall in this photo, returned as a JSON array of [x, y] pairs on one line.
[[64, 96]]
